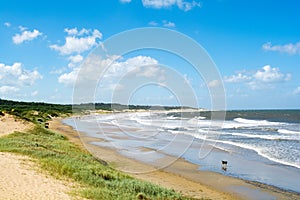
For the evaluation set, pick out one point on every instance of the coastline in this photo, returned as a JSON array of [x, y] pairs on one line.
[[182, 176]]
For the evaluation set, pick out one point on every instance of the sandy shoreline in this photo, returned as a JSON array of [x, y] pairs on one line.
[[181, 176]]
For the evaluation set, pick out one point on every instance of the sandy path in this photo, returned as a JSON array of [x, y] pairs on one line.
[[19, 180], [8, 124], [19, 176]]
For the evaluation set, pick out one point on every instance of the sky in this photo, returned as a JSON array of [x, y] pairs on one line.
[[255, 46]]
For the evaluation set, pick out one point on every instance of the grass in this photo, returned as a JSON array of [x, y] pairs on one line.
[[63, 159]]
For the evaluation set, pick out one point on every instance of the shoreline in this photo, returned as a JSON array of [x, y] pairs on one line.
[[182, 176]]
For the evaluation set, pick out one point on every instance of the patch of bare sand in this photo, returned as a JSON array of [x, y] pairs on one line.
[[19, 179], [9, 124]]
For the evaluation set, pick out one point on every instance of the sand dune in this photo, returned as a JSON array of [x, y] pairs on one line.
[[8, 124], [19, 176], [20, 180]]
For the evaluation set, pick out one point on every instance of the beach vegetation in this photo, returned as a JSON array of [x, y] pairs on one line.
[[59, 157]]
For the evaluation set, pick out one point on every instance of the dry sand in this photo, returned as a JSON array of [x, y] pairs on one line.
[[182, 176], [9, 124], [20, 177]]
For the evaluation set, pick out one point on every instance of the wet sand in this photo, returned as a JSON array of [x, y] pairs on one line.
[[182, 176]]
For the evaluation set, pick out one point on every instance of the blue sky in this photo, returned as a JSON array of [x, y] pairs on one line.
[[255, 45]]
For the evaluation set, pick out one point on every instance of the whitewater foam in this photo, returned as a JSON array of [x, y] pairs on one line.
[[256, 122], [284, 131]]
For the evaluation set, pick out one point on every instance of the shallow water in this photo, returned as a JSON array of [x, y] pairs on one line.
[[265, 147]]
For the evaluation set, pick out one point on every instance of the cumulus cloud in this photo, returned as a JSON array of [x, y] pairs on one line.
[[78, 41], [181, 4], [168, 24], [34, 93], [297, 91], [74, 60], [29, 77], [237, 78], [8, 89], [69, 78], [15, 76], [164, 23], [115, 70], [7, 24], [270, 75], [263, 78], [153, 23], [26, 36], [22, 28], [213, 84], [74, 31], [286, 48], [125, 1]]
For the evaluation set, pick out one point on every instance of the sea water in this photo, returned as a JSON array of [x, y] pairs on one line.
[[262, 146]]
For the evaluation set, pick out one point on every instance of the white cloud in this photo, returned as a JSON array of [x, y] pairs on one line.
[[168, 24], [181, 4], [237, 78], [264, 78], [74, 31], [29, 77], [153, 23], [16, 76], [8, 89], [125, 1], [74, 60], [26, 36], [297, 91], [78, 41], [34, 93], [213, 83], [139, 66], [22, 28], [187, 79], [271, 75], [164, 23], [286, 48], [57, 70], [69, 78], [7, 24]]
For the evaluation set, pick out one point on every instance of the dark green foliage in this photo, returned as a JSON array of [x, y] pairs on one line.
[[39, 112]]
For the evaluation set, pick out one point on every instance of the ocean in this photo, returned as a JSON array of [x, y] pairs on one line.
[[259, 145]]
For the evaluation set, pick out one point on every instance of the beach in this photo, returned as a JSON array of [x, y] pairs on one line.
[[182, 176], [21, 177], [9, 124]]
